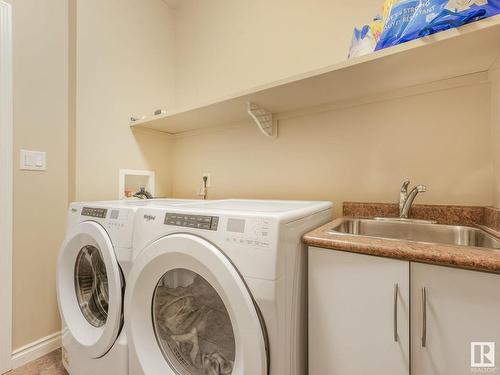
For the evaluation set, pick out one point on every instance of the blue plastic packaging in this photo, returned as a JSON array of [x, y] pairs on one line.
[[460, 12], [412, 19], [425, 12], [397, 20]]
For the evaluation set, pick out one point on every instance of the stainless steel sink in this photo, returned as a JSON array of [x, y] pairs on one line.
[[417, 231]]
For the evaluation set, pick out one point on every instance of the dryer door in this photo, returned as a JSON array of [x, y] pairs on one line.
[[190, 312], [89, 289]]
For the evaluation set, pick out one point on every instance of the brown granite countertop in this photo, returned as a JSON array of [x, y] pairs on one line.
[[472, 258]]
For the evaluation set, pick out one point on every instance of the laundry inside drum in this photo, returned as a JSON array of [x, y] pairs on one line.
[[192, 325]]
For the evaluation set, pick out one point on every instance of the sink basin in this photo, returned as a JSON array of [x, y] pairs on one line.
[[417, 231]]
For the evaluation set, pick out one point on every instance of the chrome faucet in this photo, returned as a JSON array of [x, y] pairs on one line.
[[406, 199]]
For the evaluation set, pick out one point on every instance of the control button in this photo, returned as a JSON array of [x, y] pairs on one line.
[[192, 221], [215, 223]]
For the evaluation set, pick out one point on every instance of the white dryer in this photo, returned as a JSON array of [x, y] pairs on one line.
[[93, 263], [220, 288]]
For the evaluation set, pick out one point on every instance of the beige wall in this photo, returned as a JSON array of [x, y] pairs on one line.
[[356, 154], [124, 68], [360, 153], [124, 49], [495, 130], [224, 46], [72, 18], [40, 198]]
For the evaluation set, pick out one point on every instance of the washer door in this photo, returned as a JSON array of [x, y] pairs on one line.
[[190, 312], [89, 288]]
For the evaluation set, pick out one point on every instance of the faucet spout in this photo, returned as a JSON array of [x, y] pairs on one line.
[[404, 187], [406, 199]]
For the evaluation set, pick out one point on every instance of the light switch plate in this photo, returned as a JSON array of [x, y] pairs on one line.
[[33, 160]]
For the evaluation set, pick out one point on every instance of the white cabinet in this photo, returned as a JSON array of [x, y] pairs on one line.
[[460, 307], [353, 310]]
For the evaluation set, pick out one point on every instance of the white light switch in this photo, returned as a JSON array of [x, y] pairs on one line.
[[33, 160]]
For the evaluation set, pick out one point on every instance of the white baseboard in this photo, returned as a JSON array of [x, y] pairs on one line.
[[36, 349]]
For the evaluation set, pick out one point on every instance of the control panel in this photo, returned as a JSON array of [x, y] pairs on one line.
[[117, 222], [192, 221], [94, 212], [249, 232]]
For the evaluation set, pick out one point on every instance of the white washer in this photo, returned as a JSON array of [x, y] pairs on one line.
[[93, 265], [220, 288]]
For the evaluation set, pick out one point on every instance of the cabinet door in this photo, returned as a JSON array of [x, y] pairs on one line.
[[352, 316], [459, 308]]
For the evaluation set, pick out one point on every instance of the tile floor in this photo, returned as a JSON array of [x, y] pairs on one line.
[[47, 365]]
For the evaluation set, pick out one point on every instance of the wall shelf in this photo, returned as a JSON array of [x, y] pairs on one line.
[[470, 49]]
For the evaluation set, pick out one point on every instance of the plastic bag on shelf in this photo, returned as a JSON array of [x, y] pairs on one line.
[[365, 39], [398, 15], [411, 19], [460, 12], [425, 12]]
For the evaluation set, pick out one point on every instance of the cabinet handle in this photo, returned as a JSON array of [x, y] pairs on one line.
[[395, 311], [424, 317]]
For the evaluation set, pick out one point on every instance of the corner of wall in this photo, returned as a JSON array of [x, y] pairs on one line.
[[494, 75], [72, 19]]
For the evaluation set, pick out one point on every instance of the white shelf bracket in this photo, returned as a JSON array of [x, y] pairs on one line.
[[264, 120]]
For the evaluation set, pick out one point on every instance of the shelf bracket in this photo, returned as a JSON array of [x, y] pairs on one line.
[[264, 120]]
